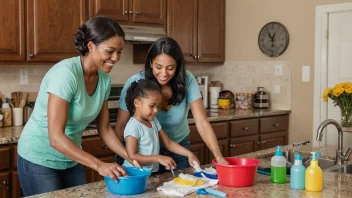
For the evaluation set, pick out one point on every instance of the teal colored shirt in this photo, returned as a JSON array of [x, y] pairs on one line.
[[174, 122], [65, 80], [148, 140]]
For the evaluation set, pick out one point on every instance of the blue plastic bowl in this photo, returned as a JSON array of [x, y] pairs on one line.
[[135, 183]]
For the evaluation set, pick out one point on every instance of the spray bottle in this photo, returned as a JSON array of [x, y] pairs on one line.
[[297, 174], [278, 167], [314, 175]]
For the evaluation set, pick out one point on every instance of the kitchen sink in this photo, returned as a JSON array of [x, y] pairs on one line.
[[343, 169], [306, 158]]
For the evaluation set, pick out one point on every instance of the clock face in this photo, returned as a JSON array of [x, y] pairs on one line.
[[273, 39]]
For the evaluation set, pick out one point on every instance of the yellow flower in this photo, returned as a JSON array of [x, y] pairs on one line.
[[326, 94], [348, 90], [346, 85], [325, 98], [338, 90]]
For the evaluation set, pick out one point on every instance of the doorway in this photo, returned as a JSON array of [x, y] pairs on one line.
[[333, 49]]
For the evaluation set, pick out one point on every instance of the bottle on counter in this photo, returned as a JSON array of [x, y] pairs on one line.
[[314, 175], [261, 99], [278, 167], [6, 112], [297, 174]]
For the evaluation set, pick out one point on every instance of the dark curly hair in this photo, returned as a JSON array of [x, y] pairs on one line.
[[97, 29], [170, 47], [139, 89]]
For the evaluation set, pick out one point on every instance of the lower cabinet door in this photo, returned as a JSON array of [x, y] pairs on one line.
[[16, 186], [199, 149], [4, 185], [273, 140], [243, 145], [224, 149]]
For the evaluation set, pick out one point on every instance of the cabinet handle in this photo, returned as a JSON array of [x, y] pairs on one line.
[[30, 55], [136, 13], [195, 57], [263, 142], [258, 143], [275, 125], [126, 12], [131, 12], [245, 128], [232, 145], [6, 183], [104, 146]]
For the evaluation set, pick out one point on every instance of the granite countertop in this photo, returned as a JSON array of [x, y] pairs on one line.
[[334, 184], [10, 135]]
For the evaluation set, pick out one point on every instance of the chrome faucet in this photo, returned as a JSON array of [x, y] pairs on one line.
[[340, 156]]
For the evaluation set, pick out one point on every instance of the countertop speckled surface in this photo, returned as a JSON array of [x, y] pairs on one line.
[[10, 135], [334, 184]]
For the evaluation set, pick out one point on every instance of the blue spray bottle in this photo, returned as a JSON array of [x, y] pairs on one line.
[[297, 174]]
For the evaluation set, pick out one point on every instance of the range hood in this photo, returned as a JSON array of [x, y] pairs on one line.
[[136, 34]]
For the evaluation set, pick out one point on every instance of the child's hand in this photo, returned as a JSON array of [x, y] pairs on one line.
[[166, 161], [191, 158]]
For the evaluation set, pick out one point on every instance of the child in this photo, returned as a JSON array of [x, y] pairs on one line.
[[143, 130]]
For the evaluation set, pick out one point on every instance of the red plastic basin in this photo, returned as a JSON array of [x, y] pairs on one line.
[[239, 173]]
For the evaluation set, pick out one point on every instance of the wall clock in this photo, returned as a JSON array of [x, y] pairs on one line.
[[273, 39]]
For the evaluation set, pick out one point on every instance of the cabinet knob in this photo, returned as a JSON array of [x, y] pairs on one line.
[[258, 143], [245, 128], [104, 146], [275, 125], [136, 13], [126, 12], [232, 145], [195, 57], [263, 142], [131, 12], [30, 55]]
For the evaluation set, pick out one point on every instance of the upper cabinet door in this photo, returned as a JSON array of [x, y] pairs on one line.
[[12, 30], [149, 11], [181, 26], [211, 30], [115, 9], [51, 27]]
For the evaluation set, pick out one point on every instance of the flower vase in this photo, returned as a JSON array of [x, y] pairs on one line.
[[346, 116]]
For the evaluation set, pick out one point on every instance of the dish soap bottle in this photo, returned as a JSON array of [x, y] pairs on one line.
[[278, 167], [297, 174], [314, 175]]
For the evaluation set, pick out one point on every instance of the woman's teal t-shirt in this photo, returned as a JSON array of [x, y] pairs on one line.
[[65, 80], [174, 122]]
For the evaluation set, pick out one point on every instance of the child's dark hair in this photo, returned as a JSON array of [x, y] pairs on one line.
[[139, 89]]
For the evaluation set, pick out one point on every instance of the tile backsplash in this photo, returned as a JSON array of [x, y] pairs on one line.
[[236, 76]]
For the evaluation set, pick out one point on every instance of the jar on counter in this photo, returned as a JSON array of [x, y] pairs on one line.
[[6, 112], [27, 111], [261, 99]]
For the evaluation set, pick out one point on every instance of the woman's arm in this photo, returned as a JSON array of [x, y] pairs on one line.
[[176, 148], [122, 119], [205, 130], [132, 150], [57, 118]]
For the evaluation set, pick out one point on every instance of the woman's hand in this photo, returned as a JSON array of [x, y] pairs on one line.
[[192, 158], [221, 160], [166, 161], [111, 170]]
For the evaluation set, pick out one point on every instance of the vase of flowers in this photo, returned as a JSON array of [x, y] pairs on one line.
[[341, 96]]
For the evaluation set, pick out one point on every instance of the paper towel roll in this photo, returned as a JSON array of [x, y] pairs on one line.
[[214, 94]]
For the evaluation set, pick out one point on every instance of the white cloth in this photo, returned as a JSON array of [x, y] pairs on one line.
[[171, 189]]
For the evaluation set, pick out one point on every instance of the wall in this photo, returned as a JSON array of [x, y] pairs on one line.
[[244, 19]]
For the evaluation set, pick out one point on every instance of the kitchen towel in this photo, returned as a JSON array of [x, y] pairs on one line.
[[171, 189]]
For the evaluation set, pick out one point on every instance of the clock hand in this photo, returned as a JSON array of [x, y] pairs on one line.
[[269, 32]]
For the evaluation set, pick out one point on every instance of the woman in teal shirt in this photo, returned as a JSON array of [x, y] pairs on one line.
[[165, 65], [72, 94]]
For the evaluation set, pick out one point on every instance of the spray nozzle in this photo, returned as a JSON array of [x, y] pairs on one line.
[[315, 155], [278, 151], [298, 156]]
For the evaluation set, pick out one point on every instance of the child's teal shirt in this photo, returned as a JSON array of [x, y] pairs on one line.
[[148, 140], [65, 80], [174, 122]]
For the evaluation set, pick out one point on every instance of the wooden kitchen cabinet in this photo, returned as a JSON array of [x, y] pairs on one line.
[[199, 27], [50, 26], [4, 184], [131, 12], [272, 140], [16, 186], [12, 45], [243, 145], [200, 150]]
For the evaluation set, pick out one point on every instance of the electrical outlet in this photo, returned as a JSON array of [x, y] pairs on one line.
[[23, 76], [278, 70]]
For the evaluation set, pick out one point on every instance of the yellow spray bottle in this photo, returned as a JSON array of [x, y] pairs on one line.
[[314, 175]]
